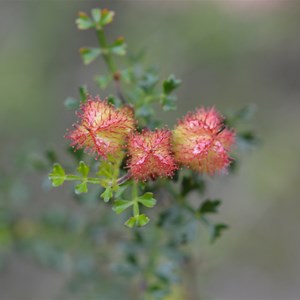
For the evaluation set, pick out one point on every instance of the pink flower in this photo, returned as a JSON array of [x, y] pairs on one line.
[[201, 141], [102, 129], [150, 154]]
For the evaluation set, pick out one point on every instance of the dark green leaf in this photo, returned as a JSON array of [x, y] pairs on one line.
[[209, 206], [83, 92], [170, 84], [57, 176], [192, 183], [217, 231], [89, 54], [147, 200], [120, 205]]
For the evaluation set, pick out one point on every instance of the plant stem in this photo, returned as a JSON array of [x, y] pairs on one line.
[[110, 63], [87, 179], [105, 52], [123, 179], [136, 209]]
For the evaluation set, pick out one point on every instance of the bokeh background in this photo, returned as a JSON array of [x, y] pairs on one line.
[[228, 53]]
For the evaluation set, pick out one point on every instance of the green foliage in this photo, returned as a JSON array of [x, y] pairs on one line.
[[88, 55], [209, 206], [107, 194], [99, 18], [120, 205], [57, 176], [139, 220], [147, 200], [118, 47], [170, 84]]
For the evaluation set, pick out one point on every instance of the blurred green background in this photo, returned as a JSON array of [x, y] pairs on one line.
[[228, 53]]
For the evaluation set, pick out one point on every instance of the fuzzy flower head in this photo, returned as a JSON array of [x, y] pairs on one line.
[[102, 129], [150, 154], [202, 142]]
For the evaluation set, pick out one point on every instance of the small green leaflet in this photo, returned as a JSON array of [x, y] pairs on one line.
[[147, 200], [209, 206], [170, 84], [140, 220], [89, 54], [107, 194], [84, 21], [58, 175], [83, 169], [120, 205]]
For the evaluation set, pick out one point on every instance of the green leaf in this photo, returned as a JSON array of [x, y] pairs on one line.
[[83, 169], [120, 205], [209, 206], [147, 200], [107, 17], [103, 81], [71, 103], [84, 21], [168, 102], [89, 54], [96, 14], [58, 175], [192, 183], [81, 188], [131, 222], [171, 84], [107, 194], [142, 220], [118, 47], [83, 92], [217, 231], [112, 100]]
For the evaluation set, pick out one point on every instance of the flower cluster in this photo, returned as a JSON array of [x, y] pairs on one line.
[[150, 154], [103, 128], [202, 142], [199, 141]]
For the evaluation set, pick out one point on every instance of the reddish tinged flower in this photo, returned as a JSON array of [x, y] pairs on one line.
[[150, 154], [202, 142], [102, 129]]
